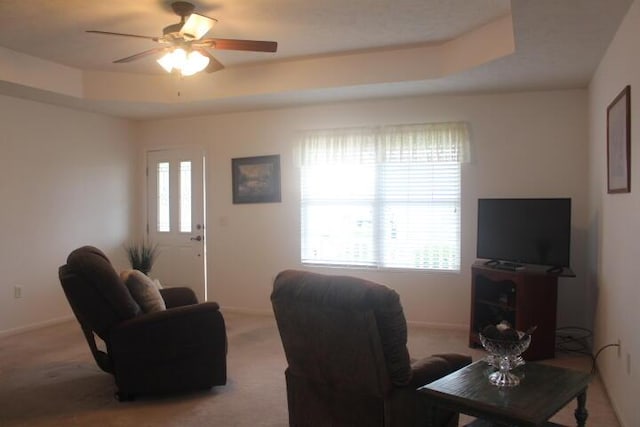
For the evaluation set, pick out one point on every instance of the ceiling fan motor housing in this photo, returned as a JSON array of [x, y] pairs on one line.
[[182, 8], [173, 28]]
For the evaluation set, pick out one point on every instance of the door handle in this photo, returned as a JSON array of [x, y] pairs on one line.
[[197, 238]]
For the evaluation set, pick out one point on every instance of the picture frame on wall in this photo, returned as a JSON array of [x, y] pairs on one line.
[[619, 143], [256, 179]]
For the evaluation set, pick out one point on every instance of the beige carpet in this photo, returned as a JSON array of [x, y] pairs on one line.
[[48, 378]]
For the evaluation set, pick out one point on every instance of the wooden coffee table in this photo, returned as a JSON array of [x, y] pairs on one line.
[[543, 391]]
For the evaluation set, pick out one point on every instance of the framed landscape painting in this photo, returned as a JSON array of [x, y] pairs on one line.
[[256, 179]]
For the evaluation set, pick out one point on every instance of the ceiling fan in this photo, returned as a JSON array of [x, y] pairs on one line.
[[185, 48]]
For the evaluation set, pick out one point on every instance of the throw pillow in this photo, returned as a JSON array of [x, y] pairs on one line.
[[143, 290]]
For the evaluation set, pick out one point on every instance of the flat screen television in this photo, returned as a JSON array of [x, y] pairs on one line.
[[527, 231]]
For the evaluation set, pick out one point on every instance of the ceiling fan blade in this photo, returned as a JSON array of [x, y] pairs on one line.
[[140, 55], [109, 33], [214, 64], [197, 26], [250, 45]]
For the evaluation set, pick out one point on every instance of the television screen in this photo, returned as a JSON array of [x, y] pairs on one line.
[[529, 231]]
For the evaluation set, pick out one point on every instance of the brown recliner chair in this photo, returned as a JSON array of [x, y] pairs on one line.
[[345, 340], [181, 348]]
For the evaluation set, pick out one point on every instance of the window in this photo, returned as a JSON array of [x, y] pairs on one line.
[[185, 197], [163, 197], [384, 198]]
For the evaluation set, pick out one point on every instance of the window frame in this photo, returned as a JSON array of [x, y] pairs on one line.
[[379, 262]]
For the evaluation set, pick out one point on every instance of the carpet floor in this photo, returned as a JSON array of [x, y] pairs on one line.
[[48, 378]]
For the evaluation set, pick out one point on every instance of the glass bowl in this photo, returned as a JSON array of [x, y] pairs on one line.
[[505, 355]]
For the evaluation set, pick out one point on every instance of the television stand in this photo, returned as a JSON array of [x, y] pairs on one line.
[[555, 270], [504, 265], [525, 298]]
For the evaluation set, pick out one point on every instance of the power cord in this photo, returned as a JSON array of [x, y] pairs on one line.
[[575, 339], [593, 367]]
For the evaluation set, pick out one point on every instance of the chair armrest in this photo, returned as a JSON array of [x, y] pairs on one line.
[[178, 296], [429, 369], [456, 361], [166, 334]]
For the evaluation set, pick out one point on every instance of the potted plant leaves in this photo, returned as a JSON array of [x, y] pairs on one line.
[[142, 255]]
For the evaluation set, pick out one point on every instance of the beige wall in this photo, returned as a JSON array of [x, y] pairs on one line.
[[78, 170], [614, 226], [66, 180], [524, 145]]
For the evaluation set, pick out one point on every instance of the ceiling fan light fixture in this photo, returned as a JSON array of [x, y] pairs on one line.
[[197, 26], [179, 58], [166, 61], [195, 63], [187, 63], [173, 59]]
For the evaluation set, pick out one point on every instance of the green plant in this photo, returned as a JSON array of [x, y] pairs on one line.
[[142, 255]]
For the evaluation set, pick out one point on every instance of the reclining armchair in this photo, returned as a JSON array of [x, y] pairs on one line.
[[345, 340], [180, 348]]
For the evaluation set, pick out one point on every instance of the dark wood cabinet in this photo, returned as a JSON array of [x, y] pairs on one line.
[[525, 298]]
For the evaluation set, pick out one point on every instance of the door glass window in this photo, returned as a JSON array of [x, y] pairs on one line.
[[164, 218], [185, 197]]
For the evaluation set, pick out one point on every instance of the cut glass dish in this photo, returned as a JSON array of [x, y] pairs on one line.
[[505, 355]]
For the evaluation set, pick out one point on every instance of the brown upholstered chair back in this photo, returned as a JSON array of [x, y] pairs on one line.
[[96, 293], [347, 356], [345, 342]]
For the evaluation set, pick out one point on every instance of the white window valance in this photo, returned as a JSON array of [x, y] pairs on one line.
[[337, 146], [427, 142]]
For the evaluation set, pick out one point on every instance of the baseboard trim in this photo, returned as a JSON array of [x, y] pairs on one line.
[[445, 326], [250, 311], [605, 388], [421, 324], [34, 326]]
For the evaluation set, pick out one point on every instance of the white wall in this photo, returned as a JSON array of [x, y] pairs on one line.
[[524, 144], [66, 179], [614, 245]]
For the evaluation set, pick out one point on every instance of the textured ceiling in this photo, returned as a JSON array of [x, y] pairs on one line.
[[558, 43], [55, 29]]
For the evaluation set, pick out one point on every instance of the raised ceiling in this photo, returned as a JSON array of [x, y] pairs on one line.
[[330, 50]]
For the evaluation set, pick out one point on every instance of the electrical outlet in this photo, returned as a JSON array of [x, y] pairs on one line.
[[619, 348], [628, 364], [17, 291]]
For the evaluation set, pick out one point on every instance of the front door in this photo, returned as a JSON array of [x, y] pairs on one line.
[[175, 207]]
